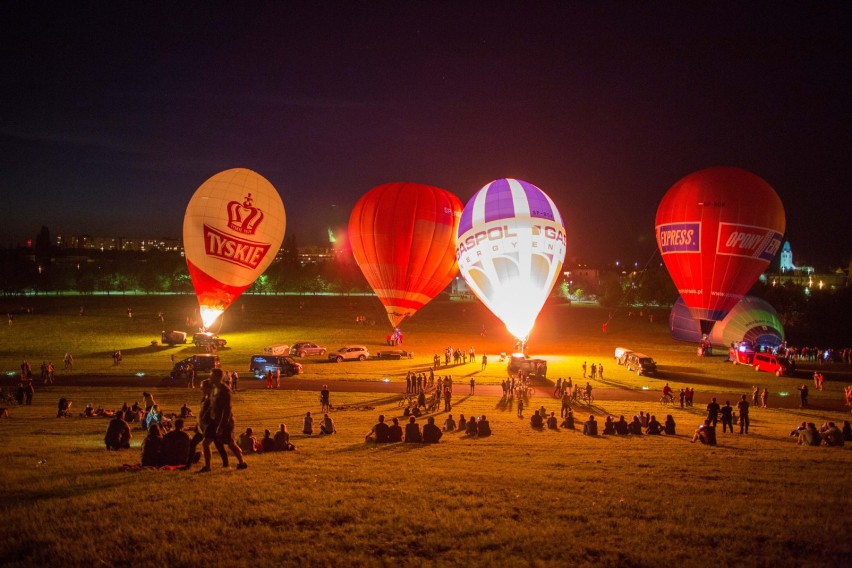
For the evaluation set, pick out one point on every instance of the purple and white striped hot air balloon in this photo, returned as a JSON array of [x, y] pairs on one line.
[[510, 247]]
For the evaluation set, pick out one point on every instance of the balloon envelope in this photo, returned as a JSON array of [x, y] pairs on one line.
[[717, 230], [752, 319], [232, 230], [402, 236], [510, 249]]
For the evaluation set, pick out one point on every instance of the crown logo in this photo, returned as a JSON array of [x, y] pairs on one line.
[[244, 217]]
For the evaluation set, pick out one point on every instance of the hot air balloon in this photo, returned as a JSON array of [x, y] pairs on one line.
[[717, 230], [232, 231], [510, 249], [753, 320], [402, 236]]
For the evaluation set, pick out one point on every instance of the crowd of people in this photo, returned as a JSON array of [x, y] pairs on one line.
[[828, 434], [383, 433]]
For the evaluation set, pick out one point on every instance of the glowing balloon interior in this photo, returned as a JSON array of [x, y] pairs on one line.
[[402, 237], [717, 230], [232, 230], [510, 249]]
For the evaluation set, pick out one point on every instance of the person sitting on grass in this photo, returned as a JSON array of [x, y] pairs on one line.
[[416, 412], [536, 421], [395, 431], [152, 446], [654, 427], [282, 440], [248, 442], [412, 432], [308, 427], [609, 427], [706, 434], [621, 427], [64, 408], [327, 425], [832, 436], [186, 412], [267, 443], [379, 432], [470, 428], [552, 421], [670, 425], [483, 427], [449, 424], [175, 450], [431, 433], [118, 434], [795, 433], [809, 436], [590, 427], [569, 420], [89, 411], [635, 427], [462, 423]]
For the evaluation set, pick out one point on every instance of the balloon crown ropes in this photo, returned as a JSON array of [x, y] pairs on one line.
[[717, 230], [234, 222], [510, 249]]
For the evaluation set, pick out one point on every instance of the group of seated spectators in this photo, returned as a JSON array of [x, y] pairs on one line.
[[326, 425], [827, 435], [430, 434], [641, 424], [159, 448], [280, 442]]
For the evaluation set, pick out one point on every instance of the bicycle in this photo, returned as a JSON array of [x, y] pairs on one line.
[[667, 399]]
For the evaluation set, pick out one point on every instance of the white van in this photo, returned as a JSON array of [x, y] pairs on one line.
[[279, 349]]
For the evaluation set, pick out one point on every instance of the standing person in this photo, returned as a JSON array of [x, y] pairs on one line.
[[29, 391], [755, 397], [484, 361], [764, 396], [325, 396], [69, 362], [727, 412], [472, 381], [713, 412], [234, 378], [222, 423], [558, 389], [804, 395], [448, 396], [204, 418], [742, 406], [191, 372], [584, 369], [682, 397]]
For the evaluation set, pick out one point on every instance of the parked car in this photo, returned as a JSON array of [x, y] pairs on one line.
[[349, 353], [202, 363], [642, 364], [773, 364], [304, 348], [534, 367], [203, 339], [262, 364]]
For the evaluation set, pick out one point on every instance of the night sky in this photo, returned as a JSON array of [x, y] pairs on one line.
[[114, 113]]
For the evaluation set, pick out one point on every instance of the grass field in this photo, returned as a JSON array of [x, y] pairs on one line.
[[521, 496]]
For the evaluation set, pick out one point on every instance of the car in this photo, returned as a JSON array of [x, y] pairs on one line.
[[277, 349], [533, 367], [349, 353], [201, 364], [262, 364], [206, 338], [773, 364], [172, 338], [304, 348], [642, 364]]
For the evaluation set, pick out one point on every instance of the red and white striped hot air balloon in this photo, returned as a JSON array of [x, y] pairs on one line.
[[232, 230]]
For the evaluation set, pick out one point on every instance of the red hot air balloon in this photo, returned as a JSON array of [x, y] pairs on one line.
[[403, 239], [232, 230], [717, 230]]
